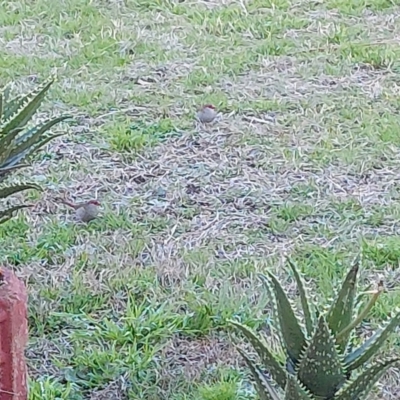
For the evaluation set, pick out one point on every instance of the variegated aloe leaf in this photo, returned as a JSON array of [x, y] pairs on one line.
[[366, 380], [19, 157], [267, 358], [33, 136], [4, 96], [12, 105], [7, 142], [264, 388], [370, 347], [16, 145], [15, 148], [321, 369], [26, 107], [2, 101], [341, 312], [10, 190], [292, 335], [304, 299], [294, 390], [4, 171], [7, 214]]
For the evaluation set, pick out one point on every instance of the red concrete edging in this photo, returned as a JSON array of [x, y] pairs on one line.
[[13, 337]]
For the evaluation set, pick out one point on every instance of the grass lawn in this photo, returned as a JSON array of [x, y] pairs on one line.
[[304, 161]]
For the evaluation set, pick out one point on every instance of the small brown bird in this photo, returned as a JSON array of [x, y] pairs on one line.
[[85, 212], [206, 114]]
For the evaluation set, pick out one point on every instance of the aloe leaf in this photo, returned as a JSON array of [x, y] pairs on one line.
[[7, 143], [363, 313], [11, 106], [1, 106], [321, 370], [264, 389], [17, 158], [294, 391], [6, 170], [303, 298], [7, 214], [292, 335], [371, 346], [267, 358], [341, 312], [366, 380], [4, 95], [9, 137], [29, 105], [6, 91], [33, 135], [5, 154], [10, 190]]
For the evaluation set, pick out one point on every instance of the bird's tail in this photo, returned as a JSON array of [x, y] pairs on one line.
[[69, 204]]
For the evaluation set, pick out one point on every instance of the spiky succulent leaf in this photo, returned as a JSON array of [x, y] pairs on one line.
[[7, 214], [4, 171], [16, 146], [292, 335], [370, 347], [34, 135], [304, 299], [365, 381], [10, 190], [27, 107], [18, 158], [11, 106], [294, 390], [264, 389], [321, 370], [4, 96], [7, 143], [267, 358], [1, 106], [341, 312], [5, 154]]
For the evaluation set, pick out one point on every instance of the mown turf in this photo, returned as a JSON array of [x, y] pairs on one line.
[[304, 161]]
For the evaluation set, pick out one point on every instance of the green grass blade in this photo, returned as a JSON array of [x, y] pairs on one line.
[[363, 384], [321, 369], [370, 347], [10, 190], [264, 389], [304, 299], [292, 335], [267, 358], [294, 391], [341, 312]]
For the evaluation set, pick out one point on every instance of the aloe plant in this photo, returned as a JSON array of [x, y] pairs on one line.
[[320, 357], [18, 140]]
